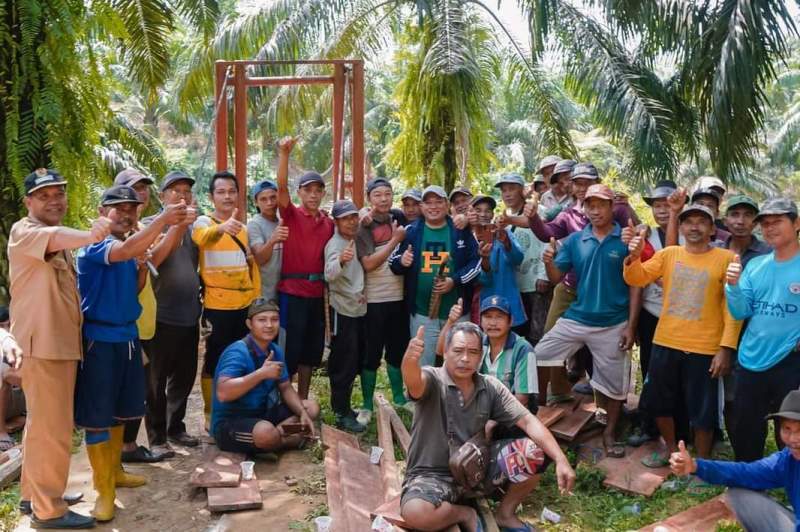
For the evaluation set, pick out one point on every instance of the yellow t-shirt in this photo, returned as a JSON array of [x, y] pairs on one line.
[[147, 319], [695, 315], [229, 280]]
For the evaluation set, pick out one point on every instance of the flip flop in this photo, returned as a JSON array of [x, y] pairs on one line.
[[655, 460], [524, 528]]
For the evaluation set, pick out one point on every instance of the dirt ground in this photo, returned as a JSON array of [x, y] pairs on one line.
[[167, 503]]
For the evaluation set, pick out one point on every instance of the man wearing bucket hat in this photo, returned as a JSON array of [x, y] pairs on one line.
[[766, 293], [267, 234], [693, 341], [755, 510], [110, 387], [43, 281]]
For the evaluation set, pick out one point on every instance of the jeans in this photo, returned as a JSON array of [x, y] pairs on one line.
[[756, 512]]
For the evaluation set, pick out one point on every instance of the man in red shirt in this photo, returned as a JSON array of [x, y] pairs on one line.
[[301, 288]]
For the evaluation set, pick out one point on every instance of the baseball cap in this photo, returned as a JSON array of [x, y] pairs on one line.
[[372, 184], [777, 206], [662, 190], [550, 160], [458, 190], [482, 198], [261, 304], [308, 178], [172, 178], [695, 208], [131, 176], [538, 179], [790, 406], [563, 166], [497, 302], [513, 179], [117, 194], [741, 199], [433, 189], [343, 208], [708, 181], [584, 171], [706, 192], [42, 177], [599, 191], [412, 193], [261, 186]]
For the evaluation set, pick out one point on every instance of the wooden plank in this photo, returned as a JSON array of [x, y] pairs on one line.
[[390, 510], [389, 473], [246, 496], [571, 424], [220, 471], [701, 518], [362, 490], [331, 438], [485, 513], [550, 414], [629, 475], [401, 432], [11, 467]]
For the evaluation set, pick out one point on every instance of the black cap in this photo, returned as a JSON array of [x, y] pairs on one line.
[[584, 171], [42, 177], [777, 206], [131, 176], [564, 166], [460, 190], [308, 178], [662, 190], [172, 178], [481, 198], [790, 407], [372, 184], [119, 194], [706, 192], [343, 208]]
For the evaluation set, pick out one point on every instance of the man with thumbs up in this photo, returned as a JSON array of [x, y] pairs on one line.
[[345, 277], [267, 234], [231, 279]]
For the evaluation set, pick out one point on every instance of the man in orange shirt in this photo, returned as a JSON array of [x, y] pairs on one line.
[[695, 335]]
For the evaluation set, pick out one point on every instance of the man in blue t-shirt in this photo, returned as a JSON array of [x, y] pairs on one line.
[[110, 386], [756, 510], [604, 315], [767, 294], [253, 395]]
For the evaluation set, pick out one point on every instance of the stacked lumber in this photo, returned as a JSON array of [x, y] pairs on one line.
[[220, 474], [701, 518]]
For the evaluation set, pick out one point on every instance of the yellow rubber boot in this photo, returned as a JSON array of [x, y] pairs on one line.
[[103, 478], [207, 388], [121, 478]]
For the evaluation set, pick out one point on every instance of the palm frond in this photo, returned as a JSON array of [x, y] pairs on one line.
[[201, 14], [123, 144], [145, 48]]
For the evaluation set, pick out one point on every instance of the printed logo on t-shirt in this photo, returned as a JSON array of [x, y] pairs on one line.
[[687, 293], [775, 309], [433, 257]]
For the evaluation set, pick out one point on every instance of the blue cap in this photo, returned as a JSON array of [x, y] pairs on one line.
[[41, 178], [497, 302], [585, 171], [459, 190], [372, 184], [343, 208], [481, 198], [434, 189], [513, 179], [308, 178], [261, 186]]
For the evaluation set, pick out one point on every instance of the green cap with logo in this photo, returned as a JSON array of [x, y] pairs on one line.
[[741, 199]]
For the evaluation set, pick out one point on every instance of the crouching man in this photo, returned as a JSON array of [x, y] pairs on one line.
[[454, 402], [253, 396]]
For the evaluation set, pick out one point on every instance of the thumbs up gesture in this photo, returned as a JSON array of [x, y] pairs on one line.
[[681, 463], [636, 245], [281, 233], [347, 253], [408, 257], [734, 271], [174, 213], [232, 225], [101, 228], [550, 251], [531, 206], [398, 232], [628, 232], [456, 311], [416, 346]]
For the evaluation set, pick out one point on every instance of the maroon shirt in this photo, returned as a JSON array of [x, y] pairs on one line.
[[304, 251]]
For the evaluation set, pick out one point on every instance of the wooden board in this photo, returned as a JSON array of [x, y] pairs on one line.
[[11, 467], [389, 473], [223, 470], [246, 496], [571, 424], [550, 414], [701, 518], [485, 513], [629, 475], [361, 486], [331, 438], [401, 432], [390, 511]]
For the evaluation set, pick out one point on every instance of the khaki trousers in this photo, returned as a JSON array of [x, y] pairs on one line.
[[49, 387], [562, 299]]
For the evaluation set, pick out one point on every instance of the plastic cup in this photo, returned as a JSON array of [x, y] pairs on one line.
[[323, 523], [247, 470]]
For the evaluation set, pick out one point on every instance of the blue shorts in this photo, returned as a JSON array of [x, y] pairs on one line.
[[110, 387]]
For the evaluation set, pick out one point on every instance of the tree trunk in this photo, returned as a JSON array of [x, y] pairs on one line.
[[449, 160]]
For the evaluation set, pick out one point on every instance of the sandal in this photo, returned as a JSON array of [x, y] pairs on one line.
[[655, 460], [6, 443], [526, 527], [616, 451]]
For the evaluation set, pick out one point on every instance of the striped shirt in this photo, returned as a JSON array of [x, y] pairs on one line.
[[515, 366]]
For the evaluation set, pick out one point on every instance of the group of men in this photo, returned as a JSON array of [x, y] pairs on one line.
[[512, 304]]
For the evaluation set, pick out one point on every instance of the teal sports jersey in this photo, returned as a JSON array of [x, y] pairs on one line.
[[515, 366]]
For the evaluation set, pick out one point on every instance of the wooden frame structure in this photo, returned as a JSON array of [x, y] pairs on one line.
[[347, 78]]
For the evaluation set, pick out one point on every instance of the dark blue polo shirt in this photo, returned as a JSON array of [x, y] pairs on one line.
[[602, 293]]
